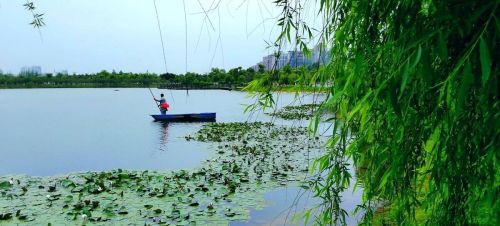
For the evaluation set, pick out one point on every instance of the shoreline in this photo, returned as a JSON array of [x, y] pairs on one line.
[[279, 90]]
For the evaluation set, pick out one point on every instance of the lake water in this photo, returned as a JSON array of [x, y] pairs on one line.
[[46, 132]]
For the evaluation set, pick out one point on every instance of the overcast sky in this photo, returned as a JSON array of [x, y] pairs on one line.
[[86, 36]]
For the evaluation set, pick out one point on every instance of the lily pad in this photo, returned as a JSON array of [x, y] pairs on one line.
[[248, 159]]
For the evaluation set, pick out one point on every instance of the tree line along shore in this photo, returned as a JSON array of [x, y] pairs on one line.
[[237, 78]]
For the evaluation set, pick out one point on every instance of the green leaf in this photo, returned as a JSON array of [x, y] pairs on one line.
[[68, 183], [484, 55], [307, 216], [443, 50], [361, 104], [404, 80], [385, 178], [5, 185], [313, 125], [417, 57], [433, 139], [465, 84]]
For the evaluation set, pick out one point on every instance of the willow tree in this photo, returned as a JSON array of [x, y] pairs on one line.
[[415, 87]]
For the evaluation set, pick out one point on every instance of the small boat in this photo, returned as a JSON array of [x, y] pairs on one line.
[[192, 117]]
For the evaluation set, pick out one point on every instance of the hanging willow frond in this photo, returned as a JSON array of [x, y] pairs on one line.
[[37, 21], [415, 86]]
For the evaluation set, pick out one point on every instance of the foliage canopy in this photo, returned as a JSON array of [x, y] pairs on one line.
[[415, 85]]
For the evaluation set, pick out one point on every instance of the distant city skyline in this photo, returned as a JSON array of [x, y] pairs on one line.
[[31, 70], [293, 58]]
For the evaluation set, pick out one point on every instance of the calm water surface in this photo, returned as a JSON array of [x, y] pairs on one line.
[[47, 132]]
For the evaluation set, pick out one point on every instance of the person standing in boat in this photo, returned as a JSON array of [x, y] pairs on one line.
[[163, 105]]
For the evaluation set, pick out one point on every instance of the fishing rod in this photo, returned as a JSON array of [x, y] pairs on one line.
[[154, 99]]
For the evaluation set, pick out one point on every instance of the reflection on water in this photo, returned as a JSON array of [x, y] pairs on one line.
[[284, 207], [163, 137]]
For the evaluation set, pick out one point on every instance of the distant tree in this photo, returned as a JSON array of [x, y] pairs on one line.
[[313, 66], [168, 76], [262, 68], [287, 69], [217, 75], [103, 73], [249, 74]]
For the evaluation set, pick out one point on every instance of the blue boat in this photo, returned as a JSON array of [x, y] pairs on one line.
[[192, 117]]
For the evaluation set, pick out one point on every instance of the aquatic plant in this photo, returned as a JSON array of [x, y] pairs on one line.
[[248, 159], [296, 112]]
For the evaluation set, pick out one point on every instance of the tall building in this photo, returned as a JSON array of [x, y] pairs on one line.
[[320, 55], [294, 59], [269, 61], [284, 59], [63, 72], [33, 70]]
